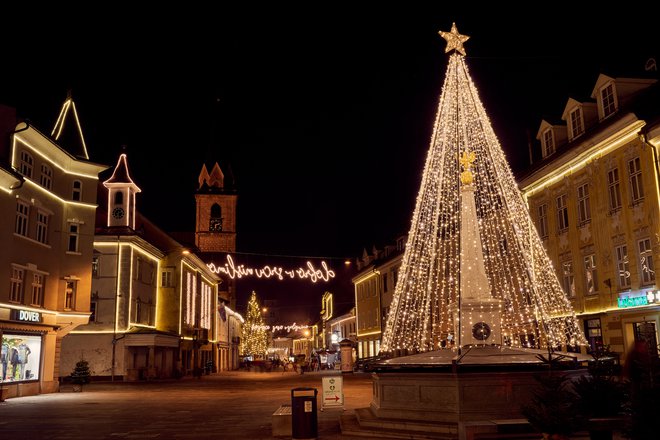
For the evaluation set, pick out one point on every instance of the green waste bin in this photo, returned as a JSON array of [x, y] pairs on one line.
[[304, 422]]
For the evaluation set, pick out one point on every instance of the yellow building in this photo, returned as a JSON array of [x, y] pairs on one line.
[[154, 301], [374, 287], [594, 197], [48, 199]]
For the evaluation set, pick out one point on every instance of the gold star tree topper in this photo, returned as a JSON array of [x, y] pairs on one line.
[[454, 40]]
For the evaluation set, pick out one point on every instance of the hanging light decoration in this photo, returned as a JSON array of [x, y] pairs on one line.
[[467, 185]]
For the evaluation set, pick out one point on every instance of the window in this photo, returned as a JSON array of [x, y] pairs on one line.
[[205, 319], [42, 227], [22, 216], [594, 332], [646, 261], [385, 282], [395, 275], [543, 220], [26, 164], [46, 179], [568, 278], [215, 222], [95, 265], [76, 192], [614, 189], [119, 198], [590, 273], [138, 311], [607, 100], [37, 289], [92, 309], [622, 266], [137, 274], [636, 187], [548, 143], [577, 128], [74, 232], [584, 207], [16, 287], [562, 213], [190, 293], [70, 294], [167, 277]]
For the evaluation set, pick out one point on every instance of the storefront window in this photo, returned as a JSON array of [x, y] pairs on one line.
[[20, 357]]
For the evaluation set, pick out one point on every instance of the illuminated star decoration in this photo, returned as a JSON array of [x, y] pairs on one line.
[[454, 40]]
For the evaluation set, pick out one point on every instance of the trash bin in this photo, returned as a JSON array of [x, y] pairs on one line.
[[304, 423]]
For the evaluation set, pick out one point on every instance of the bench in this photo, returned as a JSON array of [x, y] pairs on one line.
[[281, 421]]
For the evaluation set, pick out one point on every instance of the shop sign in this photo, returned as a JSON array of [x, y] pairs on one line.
[[25, 316], [639, 299]]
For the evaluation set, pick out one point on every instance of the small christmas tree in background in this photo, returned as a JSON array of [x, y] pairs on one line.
[[80, 374], [255, 338]]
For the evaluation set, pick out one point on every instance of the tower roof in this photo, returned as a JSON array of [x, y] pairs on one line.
[[121, 175], [67, 131], [219, 180]]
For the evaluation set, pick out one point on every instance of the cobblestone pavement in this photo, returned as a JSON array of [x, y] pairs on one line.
[[229, 405]]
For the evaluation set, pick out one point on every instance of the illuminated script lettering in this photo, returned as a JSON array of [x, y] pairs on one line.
[[274, 328], [308, 272]]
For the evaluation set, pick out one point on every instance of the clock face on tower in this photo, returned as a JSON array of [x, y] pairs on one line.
[[481, 331], [118, 213]]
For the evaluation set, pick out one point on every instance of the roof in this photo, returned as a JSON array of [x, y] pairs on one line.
[[643, 104], [219, 181], [121, 174], [67, 131]]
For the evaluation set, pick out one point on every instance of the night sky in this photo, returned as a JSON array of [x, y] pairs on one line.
[[324, 114]]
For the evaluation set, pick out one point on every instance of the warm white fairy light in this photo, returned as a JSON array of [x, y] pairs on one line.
[[527, 297]]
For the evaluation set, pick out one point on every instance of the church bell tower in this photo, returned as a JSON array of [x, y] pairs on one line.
[[216, 197]]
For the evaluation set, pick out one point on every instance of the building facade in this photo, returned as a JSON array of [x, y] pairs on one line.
[[374, 287], [49, 199], [215, 238], [154, 302], [595, 199]]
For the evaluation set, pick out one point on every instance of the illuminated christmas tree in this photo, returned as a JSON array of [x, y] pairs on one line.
[[474, 271], [255, 338]]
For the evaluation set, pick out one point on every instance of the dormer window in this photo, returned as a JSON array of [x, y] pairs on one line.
[[548, 146], [607, 100], [577, 124]]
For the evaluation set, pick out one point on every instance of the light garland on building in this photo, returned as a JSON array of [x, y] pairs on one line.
[[426, 308], [308, 272]]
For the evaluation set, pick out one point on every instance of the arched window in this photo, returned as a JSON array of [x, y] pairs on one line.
[[215, 222], [119, 198], [76, 193]]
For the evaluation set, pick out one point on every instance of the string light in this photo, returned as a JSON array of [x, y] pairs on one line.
[[308, 272], [255, 339], [441, 292]]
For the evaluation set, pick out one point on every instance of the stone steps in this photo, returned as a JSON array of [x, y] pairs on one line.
[[363, 423]]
